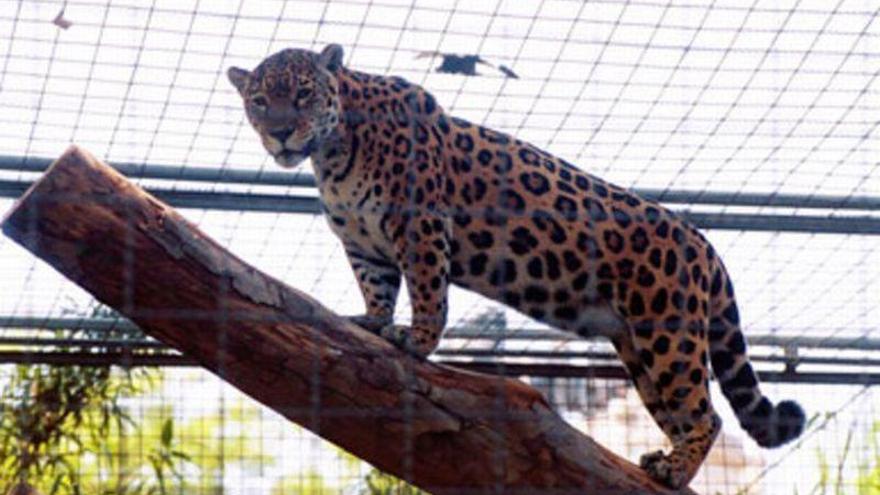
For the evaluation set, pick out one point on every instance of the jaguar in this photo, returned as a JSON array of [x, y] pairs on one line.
[[426, 199]]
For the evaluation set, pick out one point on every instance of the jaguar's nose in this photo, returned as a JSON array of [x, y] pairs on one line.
[[282, 134]]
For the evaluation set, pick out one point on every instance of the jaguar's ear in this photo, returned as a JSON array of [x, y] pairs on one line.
[[331, 57], [239, 78]]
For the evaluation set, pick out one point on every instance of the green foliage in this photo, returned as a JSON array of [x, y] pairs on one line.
[[834, 477], [56, 421], [165, 458], [66, 430], [869, 474], [310, 483], [69, 430], [379, 483], [48, 416], [214, 442]]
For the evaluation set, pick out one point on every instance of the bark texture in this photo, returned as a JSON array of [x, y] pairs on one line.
[[443, 429]]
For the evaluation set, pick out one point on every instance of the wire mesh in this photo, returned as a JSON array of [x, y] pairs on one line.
[[230, 444], [772, 98]]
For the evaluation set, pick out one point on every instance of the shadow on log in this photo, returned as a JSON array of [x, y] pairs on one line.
[[443, 429]]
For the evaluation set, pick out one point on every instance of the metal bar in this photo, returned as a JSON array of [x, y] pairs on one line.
[[561, 356], [172, 172], [856, 225], [37, 342], [278, 203], [617, 372], [773, 200], [67, 323], [497, 368], [294, 179], [224, 201], [861, 343], [96, 359], [32, 345], [110, 345], [270, 203]]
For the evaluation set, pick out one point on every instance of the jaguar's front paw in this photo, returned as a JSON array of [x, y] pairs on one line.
[[409, 339], [371, 323]]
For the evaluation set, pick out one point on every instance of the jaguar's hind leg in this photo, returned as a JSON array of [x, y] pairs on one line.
[[675, 364], [642, 381]]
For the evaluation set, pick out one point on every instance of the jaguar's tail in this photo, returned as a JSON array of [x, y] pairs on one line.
[[769, 425]]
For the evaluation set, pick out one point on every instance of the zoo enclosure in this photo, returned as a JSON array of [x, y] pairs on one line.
[[755, 121]]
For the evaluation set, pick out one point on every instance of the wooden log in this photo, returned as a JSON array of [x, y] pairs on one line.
[[443, 429]]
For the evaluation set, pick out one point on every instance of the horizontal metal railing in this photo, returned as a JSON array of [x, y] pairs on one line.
[[485, 351]]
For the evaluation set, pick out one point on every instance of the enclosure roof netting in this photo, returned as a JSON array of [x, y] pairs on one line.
[[765, 97]]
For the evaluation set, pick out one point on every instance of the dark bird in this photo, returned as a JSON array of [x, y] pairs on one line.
[[465, 65]]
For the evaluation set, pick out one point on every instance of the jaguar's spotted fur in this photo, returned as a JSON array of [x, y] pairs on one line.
[[414, 193]]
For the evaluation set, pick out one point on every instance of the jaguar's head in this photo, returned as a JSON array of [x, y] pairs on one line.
[[292, 100]]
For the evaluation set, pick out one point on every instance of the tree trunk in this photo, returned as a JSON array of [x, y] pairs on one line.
[[23, 488], [443, 429]]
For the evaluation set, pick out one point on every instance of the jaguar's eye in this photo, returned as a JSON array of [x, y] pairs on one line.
[[303, 93], [260, 102]]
